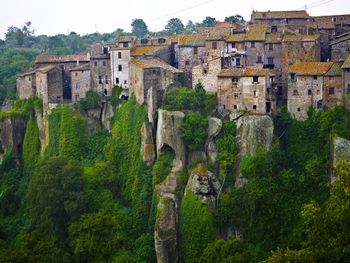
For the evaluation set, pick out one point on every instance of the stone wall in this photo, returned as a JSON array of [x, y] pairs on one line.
[[100, 71], [26, 86], [303, 93], [206, 74], [336, 83], [340, 50], [252, 53], [54, 85], [81, 83]]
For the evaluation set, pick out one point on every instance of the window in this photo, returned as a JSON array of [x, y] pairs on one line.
[[104, 63], [298, 109], [334, 19], [187, 62], [120, 68], [77, 97], [255, 93], [270, 61], [268, 90], [76, 74], [295, 92], [195, 50], [99, 79], [259, 59], [234, 80], [105, 92], [77, 86], [105, 50], [125, 44], [348, 90], [161, 41], [205, 71], [95, 63], [154, 72], [236, 95], [270, 46], [238, 62], [116, 80], [245, 48], [331, 78], [331, 91], [252, 44], [106, 80], [255, 79], [125, 82], [309, 92], [119, 54], [214, 45], [315, 77], [292, 76], [29, 78], [273, 29], [235, 107], [254, 107]]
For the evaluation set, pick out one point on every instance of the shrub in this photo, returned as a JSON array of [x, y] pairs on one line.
[[91, 101]]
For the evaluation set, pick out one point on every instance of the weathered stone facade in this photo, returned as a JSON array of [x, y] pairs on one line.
[[245, 90], [100, 69], [26, 85], [206, 74], [333, 86], [80, 82], [340, 47], [306, 87], [346, 81]]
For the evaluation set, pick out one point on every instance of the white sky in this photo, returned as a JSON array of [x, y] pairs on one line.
[[61, 16]]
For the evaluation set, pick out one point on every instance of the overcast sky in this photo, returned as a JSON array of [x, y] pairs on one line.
[[62, 16]]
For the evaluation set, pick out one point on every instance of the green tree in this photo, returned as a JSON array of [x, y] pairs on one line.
[[235, 18], [196, 228], [194, 130], [209, 21], [31, 147], [139, 27], [174, 26]]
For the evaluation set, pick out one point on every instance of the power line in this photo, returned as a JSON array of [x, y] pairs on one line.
[[181, 10]]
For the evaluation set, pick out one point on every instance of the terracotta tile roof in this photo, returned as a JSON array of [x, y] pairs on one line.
[[340, 38], [46, 69], [335, 70], [235, 38], [126, 38], [273, 38], [149, 63], [192, 40], [147, 50], [299, 37], [346, 62], [243, 72], [61, 58], [310, 68], [84, 67], [280, 14], [256, 32]]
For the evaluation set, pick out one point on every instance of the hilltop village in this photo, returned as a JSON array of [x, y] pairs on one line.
[[278, 58]]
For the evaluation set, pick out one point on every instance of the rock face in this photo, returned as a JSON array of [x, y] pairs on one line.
[[214, 128], [169, 133], [166, 225], [205, 185], [12, 131], [147, 144], [341, 151], [254, 131], [107, 115]]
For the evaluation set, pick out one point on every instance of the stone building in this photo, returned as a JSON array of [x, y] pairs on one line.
[[191, 51], [245, 89], [346, 81], [206, 74], [306, 87], [100, 69], [120, 55], [26, 84], [235, 53], [150, 78], [66, 63], [292, 22], [49, 85], [333, 88], [80, 81], [340, 47]]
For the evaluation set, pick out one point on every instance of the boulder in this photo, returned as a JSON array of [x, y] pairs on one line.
[[254, 131], [169, 133], [147, 144], [205, 185], [107, 115], [12, 131], [212, 151]]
